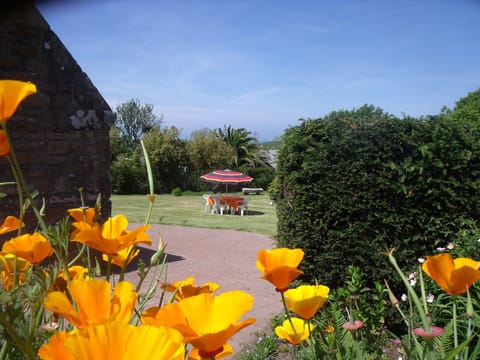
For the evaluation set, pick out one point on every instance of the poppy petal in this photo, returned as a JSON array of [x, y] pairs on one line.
[[12, 93]]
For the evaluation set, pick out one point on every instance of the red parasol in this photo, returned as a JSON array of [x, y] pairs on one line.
[[226, 177]]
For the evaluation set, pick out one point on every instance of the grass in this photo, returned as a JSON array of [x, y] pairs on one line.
[[188, 210]]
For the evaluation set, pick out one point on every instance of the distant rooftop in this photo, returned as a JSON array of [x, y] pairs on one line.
[[271, 158]]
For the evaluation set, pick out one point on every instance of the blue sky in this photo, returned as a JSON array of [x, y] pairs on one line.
[[264, 64]]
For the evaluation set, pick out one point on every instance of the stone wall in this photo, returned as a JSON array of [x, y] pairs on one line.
[[61, 133]]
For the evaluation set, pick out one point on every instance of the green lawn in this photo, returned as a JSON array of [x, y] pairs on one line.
[[189, 211]]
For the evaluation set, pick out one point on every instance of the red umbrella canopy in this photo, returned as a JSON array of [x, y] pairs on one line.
[[226, 177]]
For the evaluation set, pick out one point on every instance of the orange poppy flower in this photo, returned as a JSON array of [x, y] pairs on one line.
[[279, 266], [82, 214], [11, 223], [7, 265], [115, 340], [186, 288], [4, 144], [93, 303], [12, 93], [112, 237], [453, 276], [121, 257], [206, 321], [305, 300], [32, 247], [55, 348], [296, 334]]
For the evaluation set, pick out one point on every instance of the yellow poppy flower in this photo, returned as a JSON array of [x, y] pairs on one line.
[[186, 288], [82, 214], [112, 237], [115, 340], [4, 144], [11, 223], [206, 321], [32, 247], [194, 354], [7, 266], [305, 300], [279, 266], [121, 257], [92, 299], [12, 93], [300, 331], [453, 276]]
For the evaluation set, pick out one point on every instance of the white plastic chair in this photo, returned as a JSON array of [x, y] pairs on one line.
[[242, 206], [219, 205], [208, 203]]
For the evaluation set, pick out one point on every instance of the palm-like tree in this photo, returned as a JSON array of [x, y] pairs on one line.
[[247, 149]]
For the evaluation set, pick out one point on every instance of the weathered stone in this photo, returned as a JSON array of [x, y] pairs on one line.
[[58, 156]]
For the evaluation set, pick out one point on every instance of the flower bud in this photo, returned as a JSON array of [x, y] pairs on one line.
[[391, 296]]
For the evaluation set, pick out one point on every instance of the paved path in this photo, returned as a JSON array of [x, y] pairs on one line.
[[226, 257]]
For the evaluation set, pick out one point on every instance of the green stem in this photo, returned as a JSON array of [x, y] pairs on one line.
[[21, 214], [89, 264], [413, 294], [150, 183], [109, 267], [469, 314], [79, 255], [4, 350], [455, 332], [127, 260], [24, 185], [150, 210], [15, 273], [142, 278], [422, 289], [149, 167], [288, 316]]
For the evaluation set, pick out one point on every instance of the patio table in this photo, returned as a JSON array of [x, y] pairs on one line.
[[232, 201]]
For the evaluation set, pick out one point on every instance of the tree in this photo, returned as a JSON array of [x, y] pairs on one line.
[[247, 150], [133, 120], [117, 145], [208, 152], [167, 155], [468, 107]]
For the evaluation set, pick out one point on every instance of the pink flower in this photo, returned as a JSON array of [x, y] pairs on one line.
[[352, 326], [428, 336]]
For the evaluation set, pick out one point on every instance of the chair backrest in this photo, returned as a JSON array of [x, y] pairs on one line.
[[218, 200]]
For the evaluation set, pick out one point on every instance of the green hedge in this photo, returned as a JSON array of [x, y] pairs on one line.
[[129, 176], [356, 183]]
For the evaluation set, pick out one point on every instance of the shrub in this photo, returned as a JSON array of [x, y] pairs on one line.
[[177, 192], [356, 183], [128, 176], [262, 176]]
